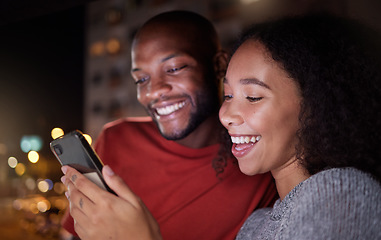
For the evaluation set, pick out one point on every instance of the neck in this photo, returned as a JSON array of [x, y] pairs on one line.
[[206, 134], [288, 177]]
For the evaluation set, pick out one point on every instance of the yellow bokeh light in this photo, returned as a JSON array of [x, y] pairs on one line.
[[61, 204], [20, 169], [59, 188], [33, 208], [56, 133], [33, 156], [43, 186], [88, 138], [113, 46], [12, 162], [43, 205]]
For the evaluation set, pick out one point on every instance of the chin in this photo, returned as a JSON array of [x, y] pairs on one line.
[[248, 170], [173, 135]]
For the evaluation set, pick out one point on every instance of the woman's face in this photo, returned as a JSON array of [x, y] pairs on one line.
[[260, 110]]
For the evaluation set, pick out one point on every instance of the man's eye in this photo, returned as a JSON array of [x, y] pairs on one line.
[[228, 97], [172, 70], [141, 80], [254, 99]]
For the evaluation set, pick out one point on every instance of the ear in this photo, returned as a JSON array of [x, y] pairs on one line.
[[220, 66]]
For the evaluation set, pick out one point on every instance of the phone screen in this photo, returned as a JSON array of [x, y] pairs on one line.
[[73, 149]]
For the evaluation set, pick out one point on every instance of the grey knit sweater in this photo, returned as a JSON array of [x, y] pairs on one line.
[[333, 204]]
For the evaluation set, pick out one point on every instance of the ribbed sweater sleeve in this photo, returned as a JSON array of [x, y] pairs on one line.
[[333, 204]]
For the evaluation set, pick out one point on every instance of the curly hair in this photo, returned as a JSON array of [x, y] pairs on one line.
[[336, 63]]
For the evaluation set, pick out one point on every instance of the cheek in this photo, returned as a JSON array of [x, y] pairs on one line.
[[141, 95]]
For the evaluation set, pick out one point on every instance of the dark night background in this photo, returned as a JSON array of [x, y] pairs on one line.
[[41, 69]]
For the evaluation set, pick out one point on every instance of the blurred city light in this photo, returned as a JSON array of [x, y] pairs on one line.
[[50, 183], [61, 204], [59, 188], [31, 143], [30, 183], [43, 186], [43, 205], [88, 138], [20, 169], [12, 162], [57, 132], [113, 46], [33, 156]]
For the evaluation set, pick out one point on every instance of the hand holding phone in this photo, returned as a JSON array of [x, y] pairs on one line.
[[72, 149]]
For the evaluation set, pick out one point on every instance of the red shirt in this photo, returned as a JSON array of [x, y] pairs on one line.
[[179, 185]]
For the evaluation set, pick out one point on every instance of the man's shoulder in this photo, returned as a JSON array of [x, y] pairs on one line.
[[129, 122], [129, 127]]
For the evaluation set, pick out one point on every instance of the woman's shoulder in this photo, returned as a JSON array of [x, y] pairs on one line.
[[342, 180], [341, 186], [341, 202], [257, 225]]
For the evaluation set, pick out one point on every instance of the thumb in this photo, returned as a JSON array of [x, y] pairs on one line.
[[117, 184]]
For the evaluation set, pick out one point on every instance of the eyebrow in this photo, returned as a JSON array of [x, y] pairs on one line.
[[162, 60], [248, 81]]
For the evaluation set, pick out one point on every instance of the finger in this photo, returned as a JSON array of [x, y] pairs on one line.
[[80, 230], [81, 209], [117, 184], [84, 185], [80, 201]]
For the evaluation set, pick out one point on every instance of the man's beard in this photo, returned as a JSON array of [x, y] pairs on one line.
[[206, 105]]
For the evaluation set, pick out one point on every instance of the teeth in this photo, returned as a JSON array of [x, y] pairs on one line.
[[170, 109], [241, 140]]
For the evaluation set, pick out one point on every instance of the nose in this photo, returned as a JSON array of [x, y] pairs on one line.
[[230, 115], [158, 87]]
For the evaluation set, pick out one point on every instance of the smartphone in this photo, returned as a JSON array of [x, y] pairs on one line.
[[72, 149]]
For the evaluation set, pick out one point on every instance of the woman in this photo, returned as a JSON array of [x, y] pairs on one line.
[[303, 100]]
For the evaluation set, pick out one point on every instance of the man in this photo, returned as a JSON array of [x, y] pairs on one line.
[[167, 161]]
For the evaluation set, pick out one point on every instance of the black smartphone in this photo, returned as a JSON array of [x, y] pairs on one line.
[[72, 149]]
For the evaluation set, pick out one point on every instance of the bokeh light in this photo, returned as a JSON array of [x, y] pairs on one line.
[[33, 156], [50, 183], [59, 188], [12, 162], [43, 186], [113, 46], [31, 143], [20, 169], [61, 204], [88, 138], [30, 183], [56, 132], [43, 205], [33, 208]]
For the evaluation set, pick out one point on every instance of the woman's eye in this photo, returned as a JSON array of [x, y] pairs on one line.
[[172, 70], [227, 97], [141, 80], [254, 99]]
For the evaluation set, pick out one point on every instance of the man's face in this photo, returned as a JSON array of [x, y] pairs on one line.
[[170, 81]]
